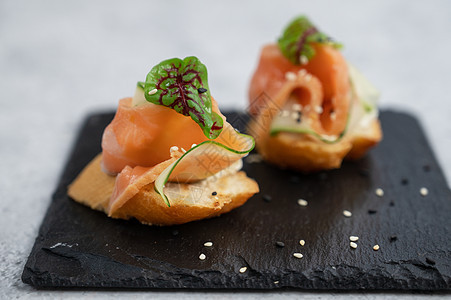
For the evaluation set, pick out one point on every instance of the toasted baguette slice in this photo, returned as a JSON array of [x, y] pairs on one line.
[[189, 202], [307, 154]]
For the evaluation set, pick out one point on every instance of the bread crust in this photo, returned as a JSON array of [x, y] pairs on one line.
[[306, 153], [189, 202]]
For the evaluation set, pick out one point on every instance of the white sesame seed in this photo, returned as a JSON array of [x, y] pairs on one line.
[[302, 242], [298, 255], [285, 113], [303, 59], [379, 192], [302, 202], [318, 109], [295, 115], [173, 149], [154, 91], [193, 145], [302, 72], [297, 107], [376, 247], [353, 238], [333, 116], [308, 77], [208, 244], [276, 282], [353, 245], [290, 76], [183, 150], [243, 269], [347, 213], [202, 256], [424, 191]]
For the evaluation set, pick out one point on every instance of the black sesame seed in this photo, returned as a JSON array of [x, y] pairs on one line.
[[267, 198], [364, 173], [391, 203], [404, 181], [426, 168], [430, 261], [280, 244], [393, 238], [372, 211], [175, 232], [298, 120], [214, 193], [201, 90]]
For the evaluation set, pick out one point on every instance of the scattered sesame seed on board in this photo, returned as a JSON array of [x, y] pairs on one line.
[[379, 192], [353, 245], [280, 244], [424, 191], [208, 244], [353, 238], [376, 247], [298, 255], [347, 213], [302, 242], [202, 256], [267, 198], [302, 202], [276, 282], [243, 269]]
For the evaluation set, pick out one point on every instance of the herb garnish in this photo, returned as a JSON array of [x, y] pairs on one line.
[[183, 86], [295, 40]]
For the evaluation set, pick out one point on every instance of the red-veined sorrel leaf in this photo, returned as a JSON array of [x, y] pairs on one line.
[[296, 38], [183, 86]]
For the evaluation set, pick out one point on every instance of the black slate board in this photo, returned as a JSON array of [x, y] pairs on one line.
[[79, 247]]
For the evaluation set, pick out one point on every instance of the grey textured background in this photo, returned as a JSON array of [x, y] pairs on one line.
[[60, 60]]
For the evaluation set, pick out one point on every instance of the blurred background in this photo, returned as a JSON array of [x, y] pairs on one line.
[[61, 60]]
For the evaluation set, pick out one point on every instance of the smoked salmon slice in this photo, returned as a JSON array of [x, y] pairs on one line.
[[329, 114], [147, 142]]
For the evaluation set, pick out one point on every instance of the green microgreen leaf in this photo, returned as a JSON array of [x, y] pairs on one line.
[[295, 42], [183, 86]]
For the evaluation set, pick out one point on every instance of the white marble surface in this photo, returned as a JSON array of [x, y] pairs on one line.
[[60, 60]]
